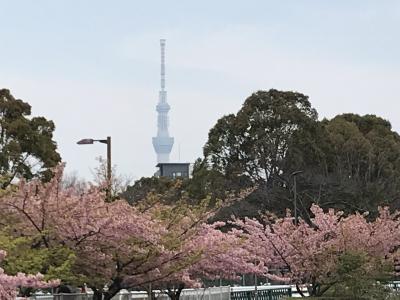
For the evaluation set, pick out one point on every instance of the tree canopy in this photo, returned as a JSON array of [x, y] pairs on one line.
[[349, 162], [10, 284], [27, 148], [254, 142]]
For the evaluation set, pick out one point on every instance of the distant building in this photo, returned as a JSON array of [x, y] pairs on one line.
[[174, 170], [163, 142]]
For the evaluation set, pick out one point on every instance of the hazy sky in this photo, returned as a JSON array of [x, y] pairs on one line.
[[93, 66]]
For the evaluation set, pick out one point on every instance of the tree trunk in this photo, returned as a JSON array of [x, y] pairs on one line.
[[25, 292], [174, 294], [97, 294], [108, 295], [151, 295], [299, 291], [113, 289]]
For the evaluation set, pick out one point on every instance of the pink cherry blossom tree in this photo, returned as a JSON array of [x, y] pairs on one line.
[[212, 254], [112, 241], [309, 252], [117, 246], [204, 251]]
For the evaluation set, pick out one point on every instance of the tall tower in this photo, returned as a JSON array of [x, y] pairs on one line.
[[162, 143]]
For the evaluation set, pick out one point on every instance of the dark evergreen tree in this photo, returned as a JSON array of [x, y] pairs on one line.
[[27, 148]]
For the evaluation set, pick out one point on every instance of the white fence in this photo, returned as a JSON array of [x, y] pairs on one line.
[[214, 293]]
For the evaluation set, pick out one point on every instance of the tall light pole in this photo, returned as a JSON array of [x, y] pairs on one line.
[[296, 220], [108, 142]]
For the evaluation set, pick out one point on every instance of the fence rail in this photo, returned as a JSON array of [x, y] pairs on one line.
[[72, 296], [265, 292], [213, 293], [262, 294]]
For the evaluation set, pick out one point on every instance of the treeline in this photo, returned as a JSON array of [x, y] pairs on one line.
[[349, 162]]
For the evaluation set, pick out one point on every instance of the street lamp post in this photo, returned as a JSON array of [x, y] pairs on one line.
[[108, 142], [296, 220]]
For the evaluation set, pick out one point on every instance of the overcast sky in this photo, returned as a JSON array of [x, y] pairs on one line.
[[93, 66]]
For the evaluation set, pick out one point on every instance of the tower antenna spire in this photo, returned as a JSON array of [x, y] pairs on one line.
[[162, 46]]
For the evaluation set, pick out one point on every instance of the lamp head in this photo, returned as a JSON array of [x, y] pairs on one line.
[[85, 142]]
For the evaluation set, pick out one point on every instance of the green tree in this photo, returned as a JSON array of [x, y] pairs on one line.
[[207, 181], [204, 183], [251, 148], [27, 148], [362, 277], [352, 163], [166, 188], [254, 142], [24, 255]]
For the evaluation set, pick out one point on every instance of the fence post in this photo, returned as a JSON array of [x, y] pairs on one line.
[[255, 287], [220, 289], [270, 295]]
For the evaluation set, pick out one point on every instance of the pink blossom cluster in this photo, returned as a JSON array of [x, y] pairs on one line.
[[9, 284], [122, 245], [126, 246], [210, 254], [109, 239], [309, 252]]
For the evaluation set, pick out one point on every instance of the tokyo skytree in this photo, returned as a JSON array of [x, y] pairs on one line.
[[162, 143]]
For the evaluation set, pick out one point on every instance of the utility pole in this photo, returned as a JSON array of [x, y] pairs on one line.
[[109, 176], [296, 220], [295, 201]]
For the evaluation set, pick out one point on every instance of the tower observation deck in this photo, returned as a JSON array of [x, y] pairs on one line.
[[162, 143]]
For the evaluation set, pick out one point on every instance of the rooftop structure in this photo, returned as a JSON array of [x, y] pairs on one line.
[[174, 170]]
